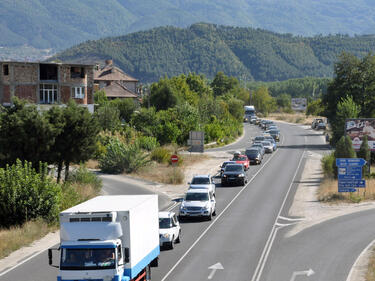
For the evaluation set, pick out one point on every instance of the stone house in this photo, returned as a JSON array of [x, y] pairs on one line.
[[115, 83], [45, 83]]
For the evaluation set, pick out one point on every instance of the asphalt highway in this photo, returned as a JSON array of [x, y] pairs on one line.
[[245, 241]]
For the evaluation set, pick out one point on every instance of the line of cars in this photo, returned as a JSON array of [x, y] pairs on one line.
[[200, 199]]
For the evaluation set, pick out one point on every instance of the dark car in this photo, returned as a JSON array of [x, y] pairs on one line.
[[254, 155], [222, 167], [275, 134], [234, 174]]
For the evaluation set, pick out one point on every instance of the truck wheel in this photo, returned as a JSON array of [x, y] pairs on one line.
[[178, 240]]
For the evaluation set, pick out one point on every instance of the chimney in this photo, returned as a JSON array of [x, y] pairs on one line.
[[108, 62]]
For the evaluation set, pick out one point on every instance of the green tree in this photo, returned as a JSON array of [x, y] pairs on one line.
[[315, 108], [126, 108], [108, 117], [163, 95], [284, 101], [222, 84], [365, 153], [236, 108], [346, 108], [25, 134], [77, 140], [100, 98], [263, 101], [344, 149]]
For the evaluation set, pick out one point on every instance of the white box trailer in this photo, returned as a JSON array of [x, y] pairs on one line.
[[109, 238]]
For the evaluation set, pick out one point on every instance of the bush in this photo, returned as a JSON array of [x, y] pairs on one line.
[[83, 176], [161, 155], [175, 177], [26, 194], [121, 158], [147, 143], [327, 164]]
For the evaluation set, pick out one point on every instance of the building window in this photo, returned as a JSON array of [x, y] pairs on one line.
[[6, 69], [77, 72], [47, 93], [48, 72], [78, 92]]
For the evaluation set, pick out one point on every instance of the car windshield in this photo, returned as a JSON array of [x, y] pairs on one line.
[[259, 138], [233, 168], [252, 152], [266, 143], [242, 158], [165, 223], [200, 181], [274, 132], [257, 145], [196, 197], [87, 259], [225, 163]]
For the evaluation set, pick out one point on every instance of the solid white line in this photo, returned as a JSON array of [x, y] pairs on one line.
[[171, 207], [217, 217], [290, 219], [357, 260], [267, 248], [22, 262]]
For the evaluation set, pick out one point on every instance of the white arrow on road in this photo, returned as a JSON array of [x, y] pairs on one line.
[[214, 268], [306, 272]]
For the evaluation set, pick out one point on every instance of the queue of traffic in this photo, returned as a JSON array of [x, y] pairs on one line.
[[200, 199]]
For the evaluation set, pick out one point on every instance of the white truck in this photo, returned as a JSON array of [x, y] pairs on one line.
[[249, 112], [109, 238]]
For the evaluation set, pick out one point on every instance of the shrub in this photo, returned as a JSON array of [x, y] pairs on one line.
[[26, 194], [83, 176], [147, 143], [121, 158], [160, 155], [175, 177], [327, 164]]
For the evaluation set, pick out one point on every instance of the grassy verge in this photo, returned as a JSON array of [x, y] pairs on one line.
[[370, 274], [16, 237], [328, 192], [299, 118], [165, 173]]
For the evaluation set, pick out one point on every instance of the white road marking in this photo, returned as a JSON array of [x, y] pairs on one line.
[[218, 216], [306, 272], [356, 261], [213, 269], [290, 219], [267, 248]]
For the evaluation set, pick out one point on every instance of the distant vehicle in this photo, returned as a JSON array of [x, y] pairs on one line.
[[242, 159], [272, 127], [249, 111], [315, 122], [266, 123], [222, 167], [275, 134], [271, 139], [258, 139], [234, 174], [321, 126], [203, 182], [253, 119], [261, 147], [198, 203], [169, 229], [254, 155], [268, 146]]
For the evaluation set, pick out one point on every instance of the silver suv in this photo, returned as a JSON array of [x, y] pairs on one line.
[[203, 182]]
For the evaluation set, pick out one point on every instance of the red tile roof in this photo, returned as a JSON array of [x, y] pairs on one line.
[[116, 90], [112, 73]]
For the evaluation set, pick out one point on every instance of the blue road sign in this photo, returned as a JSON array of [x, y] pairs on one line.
[[350, 162], [352, 183], [342, 189], [349, 173]]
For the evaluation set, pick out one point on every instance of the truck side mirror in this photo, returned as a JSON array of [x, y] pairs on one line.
[[49, 256], [127, 255]]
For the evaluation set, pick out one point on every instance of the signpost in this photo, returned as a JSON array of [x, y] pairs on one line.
[[349, 173]]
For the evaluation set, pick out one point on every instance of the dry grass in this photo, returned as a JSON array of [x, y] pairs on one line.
[[370, 274], [328, 192], [165, 173], [299, 118], [17, 237], [92, 164]]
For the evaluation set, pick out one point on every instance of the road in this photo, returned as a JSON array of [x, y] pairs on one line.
[[245, 237]]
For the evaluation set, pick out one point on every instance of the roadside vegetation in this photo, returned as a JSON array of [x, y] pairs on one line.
[[370, 274]]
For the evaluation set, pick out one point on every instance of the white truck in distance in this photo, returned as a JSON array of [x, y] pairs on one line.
[[109, 238]]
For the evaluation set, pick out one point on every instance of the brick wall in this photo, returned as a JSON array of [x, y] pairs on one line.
[[25, 73], [6, 94], [26, 92], [65, 94]]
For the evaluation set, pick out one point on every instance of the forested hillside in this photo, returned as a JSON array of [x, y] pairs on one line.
[[59, 24], [247, 53]]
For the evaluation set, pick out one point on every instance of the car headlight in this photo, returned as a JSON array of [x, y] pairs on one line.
[[166, 235], [224, 176], [241, 175]]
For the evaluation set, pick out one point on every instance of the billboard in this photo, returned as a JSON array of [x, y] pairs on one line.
[[299, 104], [356, 129]]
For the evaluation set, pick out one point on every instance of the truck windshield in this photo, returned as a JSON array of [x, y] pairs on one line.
[[87, 259]]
